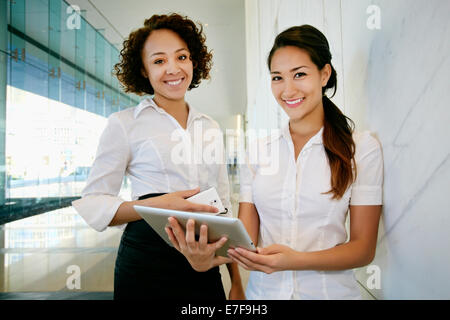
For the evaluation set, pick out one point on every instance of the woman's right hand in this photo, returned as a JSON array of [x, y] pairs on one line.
[[177, 201]]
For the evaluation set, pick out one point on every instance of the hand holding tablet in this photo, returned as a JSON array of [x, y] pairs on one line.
[[200, 254], [218, 227]]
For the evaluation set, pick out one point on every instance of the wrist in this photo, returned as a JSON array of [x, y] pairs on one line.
[[300, 261], [200, 266], [149, 202]]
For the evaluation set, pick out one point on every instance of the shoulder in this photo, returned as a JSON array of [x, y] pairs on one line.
[[264, 137], [210, 126], [365, 143], [212, 122], [124, 118], [208, 120], [123, 115]]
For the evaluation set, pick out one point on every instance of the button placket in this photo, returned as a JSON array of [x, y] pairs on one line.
[[193, 166], [288, 204], [299, 165], [294, 218]]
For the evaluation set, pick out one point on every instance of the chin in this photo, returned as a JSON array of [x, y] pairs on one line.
[[176, 97], [294, 114]]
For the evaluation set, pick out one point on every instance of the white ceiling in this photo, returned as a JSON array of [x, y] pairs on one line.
[[224, 24]]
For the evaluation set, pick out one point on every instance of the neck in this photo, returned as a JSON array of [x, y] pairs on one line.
[[308, 126], [171, 106]]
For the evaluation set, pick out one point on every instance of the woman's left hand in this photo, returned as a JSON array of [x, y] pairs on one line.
[[273, 258], [200, 254]]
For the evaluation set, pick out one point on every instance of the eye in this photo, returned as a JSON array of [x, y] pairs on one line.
[[182, 57], [276, 78], [158, 61], [299, 74]]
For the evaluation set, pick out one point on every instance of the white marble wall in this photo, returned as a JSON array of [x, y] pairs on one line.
[[393, 81]]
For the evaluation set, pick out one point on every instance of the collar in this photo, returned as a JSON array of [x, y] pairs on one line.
[[144, 104], [150, 103], [317, 139]]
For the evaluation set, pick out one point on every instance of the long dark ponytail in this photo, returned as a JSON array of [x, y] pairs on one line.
[[338, 128]]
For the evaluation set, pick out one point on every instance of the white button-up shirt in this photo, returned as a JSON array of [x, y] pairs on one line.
[[158, 155], [294, 211]]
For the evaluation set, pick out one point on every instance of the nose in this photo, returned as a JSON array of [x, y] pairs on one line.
[[289, 90], [172, 67]]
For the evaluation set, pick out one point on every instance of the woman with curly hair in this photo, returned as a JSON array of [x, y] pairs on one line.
[[164, 58]]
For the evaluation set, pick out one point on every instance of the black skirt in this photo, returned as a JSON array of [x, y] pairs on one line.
[[148, 268]]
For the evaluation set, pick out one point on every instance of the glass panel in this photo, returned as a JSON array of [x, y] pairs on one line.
[[18, 15], [67, 84], [90, 49], [90, 95], [54, 44], [67, 34], [59, 75], [80, 81], [36, 70], [4, 65], [37, 20]]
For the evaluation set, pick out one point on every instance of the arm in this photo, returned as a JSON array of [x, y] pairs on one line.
[[100, 200], [236, 291], [247, 210], [357, 252], [174, 200], [249, 217]]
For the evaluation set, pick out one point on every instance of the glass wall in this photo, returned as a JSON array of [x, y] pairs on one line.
[[59, 92]]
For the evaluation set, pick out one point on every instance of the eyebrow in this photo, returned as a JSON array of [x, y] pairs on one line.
[[158, 53], [292, 70]]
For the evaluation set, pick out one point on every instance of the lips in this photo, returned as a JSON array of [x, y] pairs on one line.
[[293, 103], [174, 82]]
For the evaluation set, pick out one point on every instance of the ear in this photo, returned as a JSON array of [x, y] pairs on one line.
[[144, 73], [325, 74]]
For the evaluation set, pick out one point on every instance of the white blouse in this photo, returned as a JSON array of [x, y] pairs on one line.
[[293, 211], [158, 155]]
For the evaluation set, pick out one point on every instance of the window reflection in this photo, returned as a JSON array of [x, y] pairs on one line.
[[50, 150], [60, 90]]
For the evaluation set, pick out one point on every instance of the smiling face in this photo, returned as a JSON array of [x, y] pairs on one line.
[[297, 83], [167, 65]]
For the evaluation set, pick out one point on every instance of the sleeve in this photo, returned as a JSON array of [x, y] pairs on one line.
[[246, 176], [99, 199], [368, 186]]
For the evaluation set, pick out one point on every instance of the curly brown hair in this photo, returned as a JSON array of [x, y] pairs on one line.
[[128, 70]]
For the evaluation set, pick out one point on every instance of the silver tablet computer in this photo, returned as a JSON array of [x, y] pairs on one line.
[[218, 226]]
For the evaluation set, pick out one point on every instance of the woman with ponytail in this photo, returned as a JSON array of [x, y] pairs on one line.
[[297, 214]]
